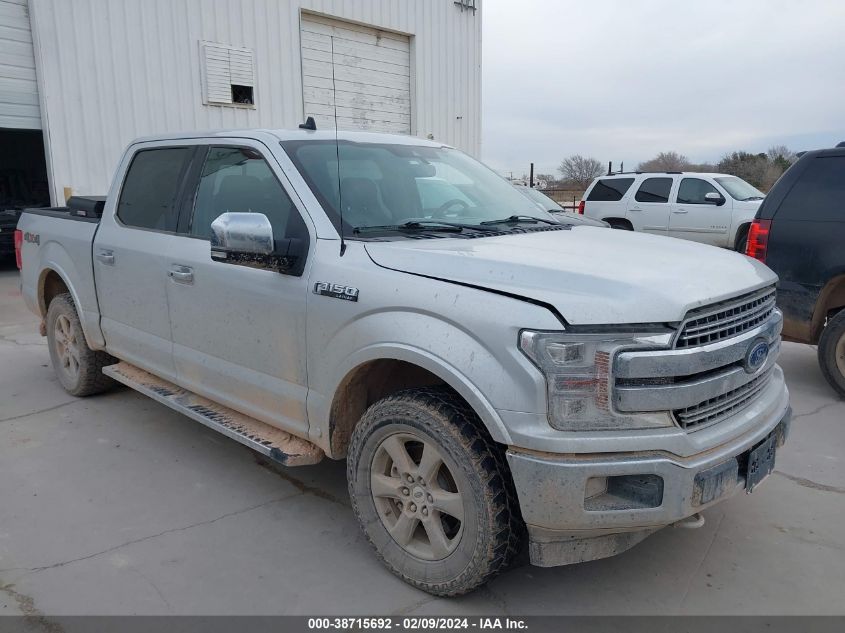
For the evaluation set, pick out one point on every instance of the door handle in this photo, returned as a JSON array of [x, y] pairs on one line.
[[636, 209], [679, 211], [106, 257], [181, 274]]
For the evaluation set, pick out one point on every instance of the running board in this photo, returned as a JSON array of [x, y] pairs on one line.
[[278, 445]]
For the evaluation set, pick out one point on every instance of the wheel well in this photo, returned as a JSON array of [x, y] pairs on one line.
[[741, 231], [619, 222], [831, 301], [365, 385], [51, 286]]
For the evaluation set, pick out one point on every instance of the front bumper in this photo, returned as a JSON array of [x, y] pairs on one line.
[[571, 518]]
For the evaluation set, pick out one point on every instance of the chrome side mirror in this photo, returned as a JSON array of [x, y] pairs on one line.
[[711, 197], [248, 233], [246, 239]]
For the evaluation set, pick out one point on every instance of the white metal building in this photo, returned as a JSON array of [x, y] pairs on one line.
[[82, 78]]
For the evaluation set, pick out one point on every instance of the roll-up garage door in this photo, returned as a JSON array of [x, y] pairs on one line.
[[359, 73], [18, 89]]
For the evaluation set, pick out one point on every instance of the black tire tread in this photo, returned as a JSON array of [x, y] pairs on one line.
[[620, 224], [831, 334], [508, 531], [741, 242], [93, 380]]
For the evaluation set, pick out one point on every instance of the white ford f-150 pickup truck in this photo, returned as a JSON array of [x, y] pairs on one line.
[[491, 375]]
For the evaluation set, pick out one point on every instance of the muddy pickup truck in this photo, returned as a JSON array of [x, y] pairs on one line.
[[491, 375]]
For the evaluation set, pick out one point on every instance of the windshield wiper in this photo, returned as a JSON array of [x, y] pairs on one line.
[[516, 219], [751, 198], [414, 225]]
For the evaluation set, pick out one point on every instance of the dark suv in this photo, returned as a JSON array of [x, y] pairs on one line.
[[799, 232], [8, 222]]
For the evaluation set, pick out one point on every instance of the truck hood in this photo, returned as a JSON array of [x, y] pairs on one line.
[[590, 275], [749, 205]]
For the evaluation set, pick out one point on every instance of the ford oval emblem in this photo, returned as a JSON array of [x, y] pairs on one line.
[[756, 356]]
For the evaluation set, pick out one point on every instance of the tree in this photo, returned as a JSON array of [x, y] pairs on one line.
[[580, 170], [666, 161], [781, 156], [752, 168]]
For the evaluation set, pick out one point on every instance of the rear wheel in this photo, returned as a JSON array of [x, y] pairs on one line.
[[432, 492], [832, 352], [741, 244], [78, 367], [622, 225]]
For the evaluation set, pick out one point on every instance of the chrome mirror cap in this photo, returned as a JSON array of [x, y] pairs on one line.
[[243, 233]]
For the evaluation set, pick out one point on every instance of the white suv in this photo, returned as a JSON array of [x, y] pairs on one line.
[[713, 209]]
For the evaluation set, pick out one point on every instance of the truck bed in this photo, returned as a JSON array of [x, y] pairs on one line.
[[80, 208], [57, 245], [63, 213]]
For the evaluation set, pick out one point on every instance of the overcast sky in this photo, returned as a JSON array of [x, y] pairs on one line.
[[622, 80]]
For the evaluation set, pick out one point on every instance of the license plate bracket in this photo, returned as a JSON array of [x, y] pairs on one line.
[[761, 462]]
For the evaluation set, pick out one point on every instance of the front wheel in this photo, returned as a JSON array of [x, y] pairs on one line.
[[832, 352], [432, 492]]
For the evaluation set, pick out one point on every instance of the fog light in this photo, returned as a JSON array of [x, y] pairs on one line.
[[627, 492]]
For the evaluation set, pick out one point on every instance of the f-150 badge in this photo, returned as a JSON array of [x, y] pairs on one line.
[[336, 291]]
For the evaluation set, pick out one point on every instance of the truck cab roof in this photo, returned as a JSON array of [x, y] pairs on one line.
[[296, 135]]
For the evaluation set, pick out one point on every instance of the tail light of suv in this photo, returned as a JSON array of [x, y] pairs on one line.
[[758, 239], [581, 206], [18, 245]]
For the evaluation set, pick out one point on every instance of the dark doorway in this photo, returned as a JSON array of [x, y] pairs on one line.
[[23, 170], [23, 181]]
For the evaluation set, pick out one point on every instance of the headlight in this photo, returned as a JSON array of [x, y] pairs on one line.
[[579, 381]]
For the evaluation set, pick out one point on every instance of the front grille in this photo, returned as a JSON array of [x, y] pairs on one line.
[[717, 409], [726, 319]]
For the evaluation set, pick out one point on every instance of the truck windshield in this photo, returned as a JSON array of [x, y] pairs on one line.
[[389, 185], [739, 189]]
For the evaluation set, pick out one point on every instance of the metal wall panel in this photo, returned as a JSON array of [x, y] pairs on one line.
[[112, 70], [18, 87]]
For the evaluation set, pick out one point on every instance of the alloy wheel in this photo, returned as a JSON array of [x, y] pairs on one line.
[[416, 496]]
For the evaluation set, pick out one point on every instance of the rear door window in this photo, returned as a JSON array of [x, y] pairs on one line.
[[610, 189], [693, 190], [148, 198], [654, 190], [819, 193]]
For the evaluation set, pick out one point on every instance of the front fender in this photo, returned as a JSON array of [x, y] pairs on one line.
[[440, 367], [465, 336]]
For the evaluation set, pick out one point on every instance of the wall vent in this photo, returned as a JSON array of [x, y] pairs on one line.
[[228, 75]]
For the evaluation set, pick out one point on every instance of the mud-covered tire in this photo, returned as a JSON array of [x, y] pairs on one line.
[[491, 530], [832, 352], [78, 367]]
